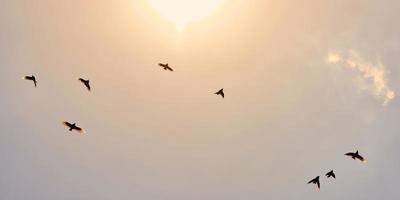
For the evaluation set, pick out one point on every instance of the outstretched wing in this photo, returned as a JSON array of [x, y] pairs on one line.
[[28, 78], [87, 85], [360, 158], [79, 129], [67, 124], [333, 175], [349, 154], [311, 181], [169, 68], [318, 184]]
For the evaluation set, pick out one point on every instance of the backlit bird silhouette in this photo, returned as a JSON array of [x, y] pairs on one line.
[[221, 92], [31, 78], [355, 156], [330, 174], [165, 66], [315, 181], [86, 82], [73, 126]]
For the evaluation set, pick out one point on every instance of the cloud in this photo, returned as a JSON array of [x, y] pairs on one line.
[[373, 75], [334, 58]]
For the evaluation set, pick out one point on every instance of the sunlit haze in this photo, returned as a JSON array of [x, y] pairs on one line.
[[182, 12], [125, 104]]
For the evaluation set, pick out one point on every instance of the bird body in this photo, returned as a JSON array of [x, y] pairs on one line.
[[355, 156], [315, 181], [165, 66], [221, 92], [330, 174], [85, 82], [73, 126], [31, 78]]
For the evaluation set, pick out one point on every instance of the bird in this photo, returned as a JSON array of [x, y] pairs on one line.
[[73, 126], [330, 174], [315, 181], [31, 78], [86, 82], [221, 92], [165, 66], [355, 156]]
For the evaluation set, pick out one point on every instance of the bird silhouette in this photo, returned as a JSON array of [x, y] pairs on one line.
[[221, 92], [165, 66], [315, 181], [73, 126], [31, 78], [355, 156], [330, 174], [86, 82]]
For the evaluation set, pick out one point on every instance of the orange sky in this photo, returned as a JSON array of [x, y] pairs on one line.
[[290, 112]]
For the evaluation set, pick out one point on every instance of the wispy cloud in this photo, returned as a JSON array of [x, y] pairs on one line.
[[373, 75]]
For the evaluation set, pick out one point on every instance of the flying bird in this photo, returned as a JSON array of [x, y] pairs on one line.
[[73, 126], [330, 174], [86, 82], [165, 66], [355, 156], [315, 181], [31, 78], [221, 92]]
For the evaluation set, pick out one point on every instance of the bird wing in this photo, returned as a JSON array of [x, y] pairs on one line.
[[81, 80], [328, 174], [169, 68], [349, 154], [87, 85], [311, 181], [28, 78], [360, 158], [318, 184], [80, 130], [333, 175], [67, 124], [77, 128]]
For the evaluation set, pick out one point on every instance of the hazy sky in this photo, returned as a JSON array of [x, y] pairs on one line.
[[305, 82]]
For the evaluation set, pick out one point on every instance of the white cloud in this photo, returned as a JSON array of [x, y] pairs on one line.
[[333, 58], [373, 75]]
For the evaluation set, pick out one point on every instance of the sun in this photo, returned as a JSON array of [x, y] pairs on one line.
[[182, 12]]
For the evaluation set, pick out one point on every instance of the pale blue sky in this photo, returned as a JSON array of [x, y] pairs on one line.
[[288, 115]]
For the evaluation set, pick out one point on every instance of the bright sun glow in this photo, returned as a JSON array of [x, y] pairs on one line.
[[182, 12]]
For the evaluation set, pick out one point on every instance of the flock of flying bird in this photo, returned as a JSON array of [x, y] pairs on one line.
[[74, 127], [355, 156]]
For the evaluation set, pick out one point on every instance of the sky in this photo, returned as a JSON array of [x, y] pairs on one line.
[[305, 82]]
